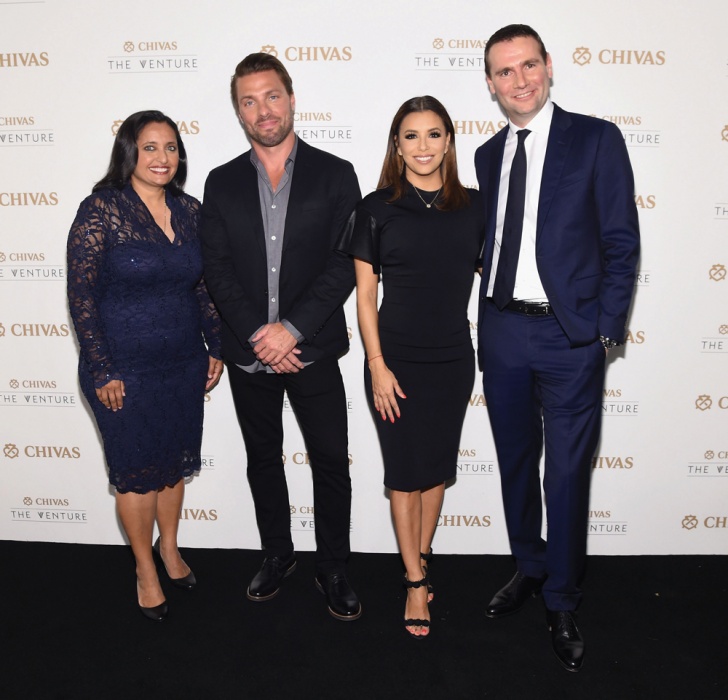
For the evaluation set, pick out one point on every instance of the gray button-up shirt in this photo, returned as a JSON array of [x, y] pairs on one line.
[[274, 207]]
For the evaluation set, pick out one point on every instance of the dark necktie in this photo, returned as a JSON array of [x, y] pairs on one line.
[[505, 277]]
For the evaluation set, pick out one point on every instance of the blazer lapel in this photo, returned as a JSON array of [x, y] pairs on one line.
[[248, 199], [299, 190], [560, 138]]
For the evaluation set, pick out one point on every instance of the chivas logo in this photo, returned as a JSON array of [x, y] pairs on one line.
[[717, 273], [23, 60], [690, 522], [582, 56]]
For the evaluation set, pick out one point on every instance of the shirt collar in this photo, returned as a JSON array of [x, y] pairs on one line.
[[540, 124], [289, 160]]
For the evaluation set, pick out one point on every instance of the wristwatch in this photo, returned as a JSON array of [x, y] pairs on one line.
[[608, 343]]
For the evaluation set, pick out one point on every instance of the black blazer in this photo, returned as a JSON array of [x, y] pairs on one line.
[[315, 278]]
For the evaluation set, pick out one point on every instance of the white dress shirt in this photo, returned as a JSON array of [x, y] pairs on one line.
[[528, 283]]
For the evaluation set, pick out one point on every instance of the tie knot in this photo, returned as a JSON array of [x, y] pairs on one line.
[[522, 133]]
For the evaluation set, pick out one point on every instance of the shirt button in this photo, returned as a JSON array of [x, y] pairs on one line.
[[272, 206], [272, 238], [273, 300], [272, 269]]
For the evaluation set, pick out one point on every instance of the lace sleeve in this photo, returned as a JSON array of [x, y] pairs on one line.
[[211, 325], [87, 245]]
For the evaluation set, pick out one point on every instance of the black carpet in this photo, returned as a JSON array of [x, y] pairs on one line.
[[655, 627]]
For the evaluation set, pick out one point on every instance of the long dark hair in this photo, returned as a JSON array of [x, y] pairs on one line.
[[454, 195], [124, 152]]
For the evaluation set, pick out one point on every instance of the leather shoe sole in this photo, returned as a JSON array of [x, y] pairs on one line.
[[340, 609], [268, 596]]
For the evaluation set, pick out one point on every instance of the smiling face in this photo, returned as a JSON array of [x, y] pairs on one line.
[[519, 78], [157, 156], [422, 142], [265, 108]]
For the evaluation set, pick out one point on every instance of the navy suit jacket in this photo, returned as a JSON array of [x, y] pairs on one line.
[[315, 278], [587, 231]]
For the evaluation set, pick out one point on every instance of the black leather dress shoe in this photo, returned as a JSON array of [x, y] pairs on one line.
[[267, 582], [187, 582], [514, 595], [342, 601], [566, 639], [156, 614]]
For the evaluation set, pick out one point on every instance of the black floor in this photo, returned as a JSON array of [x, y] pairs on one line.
[[655, 627]]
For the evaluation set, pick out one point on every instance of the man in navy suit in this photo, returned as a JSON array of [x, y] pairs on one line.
[[559, 264], [270, 221]]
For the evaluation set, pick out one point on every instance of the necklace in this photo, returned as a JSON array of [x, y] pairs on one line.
[[429, 206]]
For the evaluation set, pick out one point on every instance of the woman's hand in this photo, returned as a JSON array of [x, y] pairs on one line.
[[386, 389], [214, 372], [112, 394]]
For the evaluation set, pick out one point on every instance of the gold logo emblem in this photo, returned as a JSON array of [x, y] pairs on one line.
[[438, 44], [709, 454], [11, 451], [270, 49], [582, 56], [689, 522], [128, 46], [703, 402], [717, 273], [14, 383], [724, 133]]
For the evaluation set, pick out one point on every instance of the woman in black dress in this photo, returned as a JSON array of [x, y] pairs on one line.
[[140, 309], [423, 231]]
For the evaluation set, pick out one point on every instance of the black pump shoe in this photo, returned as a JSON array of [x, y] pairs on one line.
[[187, 582], [156, 614]]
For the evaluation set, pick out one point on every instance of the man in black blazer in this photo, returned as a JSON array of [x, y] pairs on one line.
[[562, 243], [270, 221]]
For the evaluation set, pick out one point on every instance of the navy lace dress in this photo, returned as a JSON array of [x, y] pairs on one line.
[[140, 309]]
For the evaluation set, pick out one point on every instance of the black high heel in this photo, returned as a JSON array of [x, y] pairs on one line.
[[156, 614], [415, 622], [187, 582], [427, 558]]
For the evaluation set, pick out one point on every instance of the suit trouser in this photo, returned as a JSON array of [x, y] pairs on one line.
[[540, 390], [318, 399]]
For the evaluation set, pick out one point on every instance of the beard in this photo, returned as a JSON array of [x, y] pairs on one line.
[[271, 138]]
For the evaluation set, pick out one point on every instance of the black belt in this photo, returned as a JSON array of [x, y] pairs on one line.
[[530, 308]]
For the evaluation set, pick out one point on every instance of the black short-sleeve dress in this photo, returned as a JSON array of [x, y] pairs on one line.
[[427, 259]]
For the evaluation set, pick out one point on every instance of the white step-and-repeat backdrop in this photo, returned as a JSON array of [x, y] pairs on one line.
[[71, 70]]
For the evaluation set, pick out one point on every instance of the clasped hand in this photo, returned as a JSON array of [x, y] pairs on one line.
[[275, 346]]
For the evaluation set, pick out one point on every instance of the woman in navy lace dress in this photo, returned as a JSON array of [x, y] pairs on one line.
[[149, 337]]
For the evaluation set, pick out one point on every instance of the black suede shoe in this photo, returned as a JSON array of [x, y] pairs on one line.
[[514, 595], [342, 601], [566, 639], [187, 582], [267, 582]]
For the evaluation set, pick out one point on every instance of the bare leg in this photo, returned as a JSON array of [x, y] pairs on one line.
[[431, 504], [432, 498], [407, 514], [137, 512], [169, 505]]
